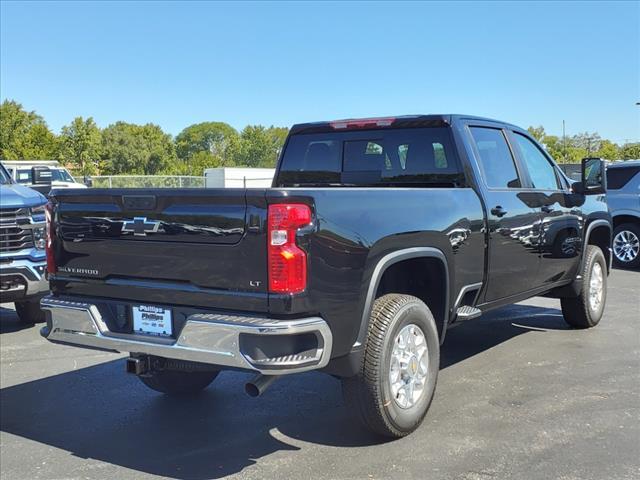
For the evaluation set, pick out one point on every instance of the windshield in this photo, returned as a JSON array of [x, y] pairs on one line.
[[57, 175], [61, 175], [4, 176]]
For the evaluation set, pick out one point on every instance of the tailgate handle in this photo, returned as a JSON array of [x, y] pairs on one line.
[[254, 223], [139, 202]]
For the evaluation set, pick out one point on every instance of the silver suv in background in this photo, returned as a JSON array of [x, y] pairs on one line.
[[22, 246], [623, 197]]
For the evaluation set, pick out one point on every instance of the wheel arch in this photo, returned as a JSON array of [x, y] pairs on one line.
[[599, 233], [399, 258], [625, 217]]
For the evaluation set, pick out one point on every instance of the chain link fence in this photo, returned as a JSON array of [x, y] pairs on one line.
[[147, 181]]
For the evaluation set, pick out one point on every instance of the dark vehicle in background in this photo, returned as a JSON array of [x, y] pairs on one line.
[[623, 197], [377, 235], [22, 247]]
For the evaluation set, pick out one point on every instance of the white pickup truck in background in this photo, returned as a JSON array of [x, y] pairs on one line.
[[20, 171]]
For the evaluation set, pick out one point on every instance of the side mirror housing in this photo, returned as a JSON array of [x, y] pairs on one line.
[[41, 176], [593, 177]]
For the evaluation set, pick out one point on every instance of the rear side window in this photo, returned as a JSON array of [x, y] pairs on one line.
[[496, 161], [618, 177], [412, 156]]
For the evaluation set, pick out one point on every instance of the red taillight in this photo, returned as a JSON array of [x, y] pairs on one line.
[[287, 261], [362, 123], [51, 233]]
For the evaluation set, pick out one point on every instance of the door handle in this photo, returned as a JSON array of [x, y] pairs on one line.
[[547, 208], [498, 211]]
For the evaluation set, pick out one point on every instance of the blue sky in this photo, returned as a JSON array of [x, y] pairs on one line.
[[175, 64]]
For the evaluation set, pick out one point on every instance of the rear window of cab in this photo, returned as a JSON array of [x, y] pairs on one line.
[[394, 157]]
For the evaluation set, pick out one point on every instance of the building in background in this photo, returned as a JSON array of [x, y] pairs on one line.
[[228, 177]]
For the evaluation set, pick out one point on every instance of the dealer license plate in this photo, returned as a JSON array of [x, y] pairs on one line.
[[152, 320]]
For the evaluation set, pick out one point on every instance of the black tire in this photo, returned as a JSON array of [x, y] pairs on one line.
[[632, 231], [368, 394], [579, 312], [29, 311], [173, 382]]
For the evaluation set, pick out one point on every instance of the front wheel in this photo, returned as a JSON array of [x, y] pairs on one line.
[[585, 310], [394, 388]]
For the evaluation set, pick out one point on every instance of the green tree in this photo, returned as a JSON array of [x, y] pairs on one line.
[[553, 146], [589, 142], [630, 151], [80, 145], [212, 137], [137, 149], [608, 150], [575, 154], [24, 135], [538, 133], [258, 146]]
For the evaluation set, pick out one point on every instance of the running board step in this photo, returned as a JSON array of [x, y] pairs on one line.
[[466, 312]]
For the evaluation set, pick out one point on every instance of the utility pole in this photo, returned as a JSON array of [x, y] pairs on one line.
[[564, 143]]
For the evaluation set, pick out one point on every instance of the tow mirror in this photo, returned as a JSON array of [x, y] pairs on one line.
[[593, 177], [41, 176]]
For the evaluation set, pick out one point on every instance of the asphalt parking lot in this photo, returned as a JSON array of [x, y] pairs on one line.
[[519, 396]]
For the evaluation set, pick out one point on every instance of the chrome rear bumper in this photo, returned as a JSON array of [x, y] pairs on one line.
[[207, 338]]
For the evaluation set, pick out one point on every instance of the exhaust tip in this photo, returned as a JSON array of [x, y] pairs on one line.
[[259, 384], [251, 390]]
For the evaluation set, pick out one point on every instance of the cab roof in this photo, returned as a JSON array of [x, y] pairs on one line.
[[402, 121]]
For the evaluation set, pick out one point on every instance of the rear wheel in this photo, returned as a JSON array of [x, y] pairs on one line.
[[585, 310], [394, 388], [29, 311], [626, 245]]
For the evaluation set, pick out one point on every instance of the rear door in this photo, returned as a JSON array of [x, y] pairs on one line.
[[513, 224]]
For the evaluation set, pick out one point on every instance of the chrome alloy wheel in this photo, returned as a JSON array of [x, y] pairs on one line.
[[409, 364], [596, 287], [626, 246]]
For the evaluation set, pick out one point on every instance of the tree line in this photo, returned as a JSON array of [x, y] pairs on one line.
[[574, 148], [126, 148]]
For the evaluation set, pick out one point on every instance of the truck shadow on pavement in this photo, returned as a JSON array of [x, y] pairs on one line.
[[101, 413], [9, 321]]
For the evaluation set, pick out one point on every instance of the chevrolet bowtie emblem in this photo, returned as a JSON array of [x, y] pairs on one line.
[[140, 226]]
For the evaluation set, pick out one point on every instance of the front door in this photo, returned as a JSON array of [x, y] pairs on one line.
[[513, 226], [560, 233]]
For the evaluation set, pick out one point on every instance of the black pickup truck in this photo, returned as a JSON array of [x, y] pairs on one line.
[[376, 236]]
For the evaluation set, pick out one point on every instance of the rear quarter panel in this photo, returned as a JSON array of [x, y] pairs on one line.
[[356, 227]]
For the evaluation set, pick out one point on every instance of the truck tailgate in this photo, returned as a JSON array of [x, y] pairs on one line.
[[190, 239]]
